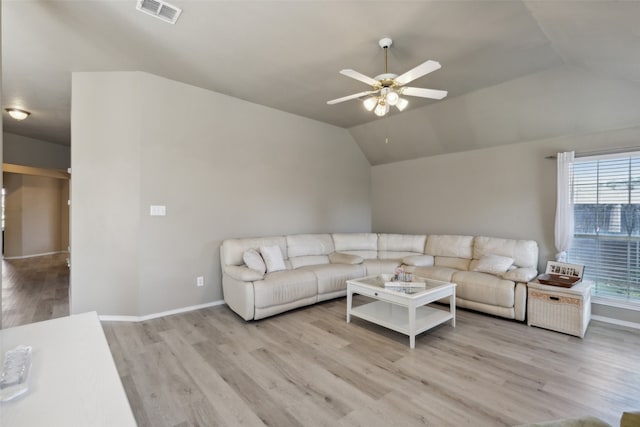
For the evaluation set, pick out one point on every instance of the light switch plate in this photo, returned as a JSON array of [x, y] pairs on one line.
[[158, 210]]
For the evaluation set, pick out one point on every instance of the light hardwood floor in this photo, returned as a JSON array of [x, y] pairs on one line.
[[34, 289], [310, 368]]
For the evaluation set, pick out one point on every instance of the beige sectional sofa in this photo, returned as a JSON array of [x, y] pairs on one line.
[[317, 266]]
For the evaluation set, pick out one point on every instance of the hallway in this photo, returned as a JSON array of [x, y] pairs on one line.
[[34, 289]]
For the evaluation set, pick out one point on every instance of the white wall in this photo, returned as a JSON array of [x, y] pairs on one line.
[[223, 167], [507, 191], [34, 215], [495, 192], [105, 193], [21, 150]]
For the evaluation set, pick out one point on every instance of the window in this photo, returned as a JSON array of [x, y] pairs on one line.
[[606, 195]]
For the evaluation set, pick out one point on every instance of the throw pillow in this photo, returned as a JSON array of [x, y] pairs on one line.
[[273, 258], [254, 261], [523, 274], [493, 264]]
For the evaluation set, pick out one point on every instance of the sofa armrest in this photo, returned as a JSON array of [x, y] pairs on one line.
[[340, 258], [523, 274], [418, 260], [242, 273]]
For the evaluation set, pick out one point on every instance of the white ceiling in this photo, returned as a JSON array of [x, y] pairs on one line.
[[515, 70]]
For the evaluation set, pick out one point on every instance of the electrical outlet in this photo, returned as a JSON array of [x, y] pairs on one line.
[[200, 281]]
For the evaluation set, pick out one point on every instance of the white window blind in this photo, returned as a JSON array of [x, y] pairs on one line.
[[606, 194]]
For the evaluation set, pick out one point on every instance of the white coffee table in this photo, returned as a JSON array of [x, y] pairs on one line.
[[73, 379], [402, 310]]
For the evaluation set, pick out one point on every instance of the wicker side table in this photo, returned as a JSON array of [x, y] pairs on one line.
[[566, 310]]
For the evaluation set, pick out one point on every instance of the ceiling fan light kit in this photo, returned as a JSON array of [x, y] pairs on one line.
[[370, 103], [381, 109], [387, 88]]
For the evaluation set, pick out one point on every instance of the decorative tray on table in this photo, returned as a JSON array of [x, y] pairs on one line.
[[15, 372], [391, 281], [558, 280], [561, 274]]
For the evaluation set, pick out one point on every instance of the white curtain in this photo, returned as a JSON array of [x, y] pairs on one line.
[[564, 206]]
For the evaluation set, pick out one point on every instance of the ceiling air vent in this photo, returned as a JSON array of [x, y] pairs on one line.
[[159, 9]]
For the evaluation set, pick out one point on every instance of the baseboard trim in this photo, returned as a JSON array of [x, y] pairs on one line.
[[109, 318], [618, 322], [35, 255]]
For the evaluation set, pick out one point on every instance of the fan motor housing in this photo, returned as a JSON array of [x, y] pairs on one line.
[[385, 42], [387, 80]]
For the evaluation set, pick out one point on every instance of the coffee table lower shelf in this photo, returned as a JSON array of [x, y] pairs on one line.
[[396, 317]]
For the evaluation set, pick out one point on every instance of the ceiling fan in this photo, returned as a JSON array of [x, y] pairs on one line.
[[387, 89]]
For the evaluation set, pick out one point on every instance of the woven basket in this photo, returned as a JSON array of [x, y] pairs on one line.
[[560, 312]]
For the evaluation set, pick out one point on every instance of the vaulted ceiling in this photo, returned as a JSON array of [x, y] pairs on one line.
[[515, 70]]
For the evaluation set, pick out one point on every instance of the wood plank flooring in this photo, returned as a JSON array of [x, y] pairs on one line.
[[34, 289], [310, 368]]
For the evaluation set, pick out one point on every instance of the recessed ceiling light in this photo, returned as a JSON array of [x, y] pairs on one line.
[[17, 113]]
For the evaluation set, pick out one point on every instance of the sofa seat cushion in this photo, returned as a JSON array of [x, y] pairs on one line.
[[484, 288], [379, 266], [333, 277], [282, 287], [436, 273]]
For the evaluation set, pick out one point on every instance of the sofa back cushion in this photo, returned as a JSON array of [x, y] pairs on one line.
[[452, 262], [523, 252], [398, 246], [309, 249], [361, 244], [450, 246], [233, 249], [413, 243]]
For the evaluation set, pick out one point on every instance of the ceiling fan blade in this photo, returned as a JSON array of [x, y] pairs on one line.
[[424, 93], [349, 97], [359, 76], [419, 71]]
